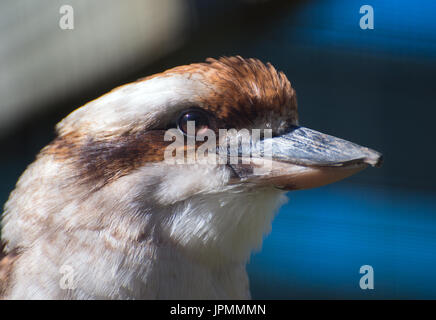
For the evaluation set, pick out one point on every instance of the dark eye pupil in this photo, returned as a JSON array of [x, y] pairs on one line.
[[199, 120]]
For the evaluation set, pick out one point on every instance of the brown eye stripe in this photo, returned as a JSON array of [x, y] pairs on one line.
[[99, 162]]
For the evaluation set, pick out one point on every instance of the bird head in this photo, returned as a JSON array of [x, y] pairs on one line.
[[112, 166]]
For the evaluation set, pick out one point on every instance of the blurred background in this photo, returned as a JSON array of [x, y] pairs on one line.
[[375, 87]]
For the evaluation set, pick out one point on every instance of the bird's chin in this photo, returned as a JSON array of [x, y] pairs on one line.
[[288, 176]]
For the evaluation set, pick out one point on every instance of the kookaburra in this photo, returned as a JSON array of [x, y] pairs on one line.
[[102, 203]]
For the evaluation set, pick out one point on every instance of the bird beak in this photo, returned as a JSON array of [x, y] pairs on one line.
[[303, 158]]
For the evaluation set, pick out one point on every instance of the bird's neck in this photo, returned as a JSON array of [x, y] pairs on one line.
[[120, 247], [222, 228], [175, 275]]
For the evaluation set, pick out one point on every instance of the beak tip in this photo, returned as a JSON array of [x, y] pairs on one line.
[[379, 162], [374, 159]]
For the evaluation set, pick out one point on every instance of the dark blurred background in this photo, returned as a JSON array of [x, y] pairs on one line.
[[373, 87]]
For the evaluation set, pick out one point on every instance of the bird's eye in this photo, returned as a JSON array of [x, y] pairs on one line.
[[198, 120]]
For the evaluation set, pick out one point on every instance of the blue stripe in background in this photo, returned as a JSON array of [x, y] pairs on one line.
[[400, 27], [322, 237]]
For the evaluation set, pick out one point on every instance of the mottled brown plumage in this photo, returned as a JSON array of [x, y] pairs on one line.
[[248, 91]]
